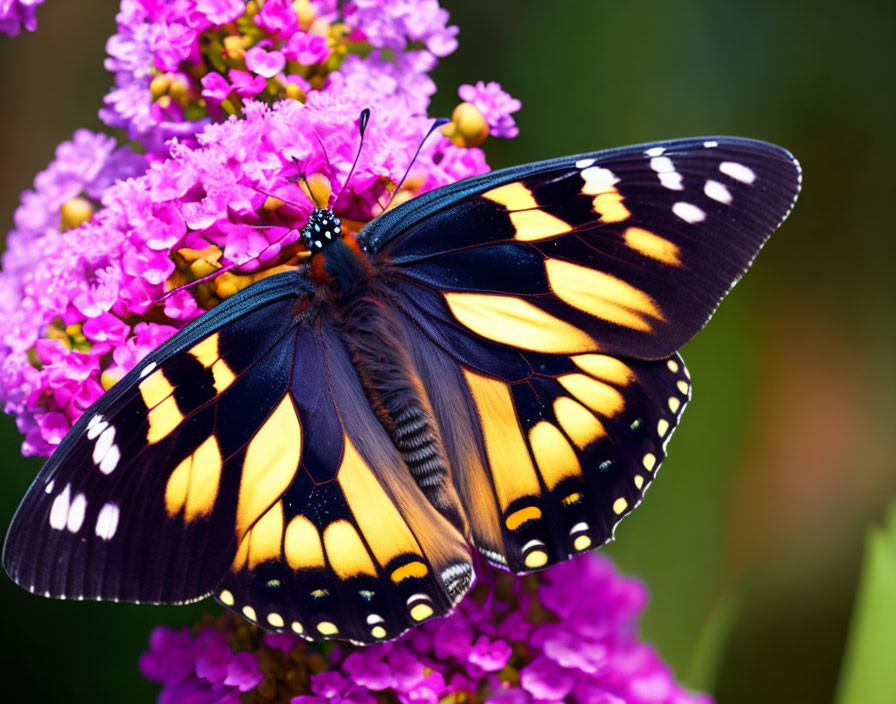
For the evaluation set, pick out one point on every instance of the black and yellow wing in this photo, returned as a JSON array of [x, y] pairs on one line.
[[241, 459], [546, 465], [624, 252], [554, 296]]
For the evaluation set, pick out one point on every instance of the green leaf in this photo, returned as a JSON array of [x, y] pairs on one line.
[[868, 674]]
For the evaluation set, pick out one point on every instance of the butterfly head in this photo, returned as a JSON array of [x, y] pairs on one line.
[[322, 228]]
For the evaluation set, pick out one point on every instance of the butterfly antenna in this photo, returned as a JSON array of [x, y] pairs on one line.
[[435, 125], [362, 128], [323, 148]]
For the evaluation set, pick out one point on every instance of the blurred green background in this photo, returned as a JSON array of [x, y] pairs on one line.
[[751, 541]]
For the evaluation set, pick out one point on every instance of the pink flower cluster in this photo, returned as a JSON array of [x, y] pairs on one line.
[[85, 283], [229, 98], [571, 638], [179, 63]]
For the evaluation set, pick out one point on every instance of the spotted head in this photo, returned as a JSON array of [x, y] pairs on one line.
[[322, 228]]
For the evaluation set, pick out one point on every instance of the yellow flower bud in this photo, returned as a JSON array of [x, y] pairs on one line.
[[159, 86], [228, 283], [55, 331], [233, 47], [75, 333], [203, 267], [179, 90], [294, 92], [75, 212], [318, 189], [304, 12], [468, 127], [110, 378]]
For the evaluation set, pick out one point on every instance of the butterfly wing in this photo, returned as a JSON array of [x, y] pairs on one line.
[[546, 463], [624, 252], [352, 549], [242, 459], [547, 303], [139, 501]]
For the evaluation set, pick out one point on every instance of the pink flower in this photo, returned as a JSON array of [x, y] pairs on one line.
[[278, 18], [306, 48], [557, 663], [265, 63], [495, 105]]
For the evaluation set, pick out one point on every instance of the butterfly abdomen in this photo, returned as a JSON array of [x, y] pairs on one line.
[[379, 352]]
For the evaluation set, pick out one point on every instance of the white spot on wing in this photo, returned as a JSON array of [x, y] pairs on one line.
[[655, 151], [598, 180], [737, 171], [717, 191], [666, 172], [76, 511], [107, 521], [110, 460], [661, 164], [710, 144], [584, 163], [147, 369], [96, 428], [48, 489], [578, 527], [103, 443], [93, 421], [671, 180], [59, 509], [688, 212]]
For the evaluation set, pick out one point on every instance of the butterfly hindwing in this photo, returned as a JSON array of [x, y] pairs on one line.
[[550, 461], [625, 252], [352, 549]]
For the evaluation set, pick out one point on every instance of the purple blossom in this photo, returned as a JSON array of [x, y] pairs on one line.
[[278, 18], [220, 11], [243, 672], [70, 297], [562, 658], [307, 49], [495, 105], [15, 14], [265, 63], [391, 24], [163, 71]]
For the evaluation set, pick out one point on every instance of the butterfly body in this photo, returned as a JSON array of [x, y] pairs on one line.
[[490, 366]]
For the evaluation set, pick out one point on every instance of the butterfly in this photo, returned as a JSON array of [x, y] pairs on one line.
[[491, 366]]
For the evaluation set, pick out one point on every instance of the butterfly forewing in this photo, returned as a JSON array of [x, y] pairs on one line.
[[626, 252]]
